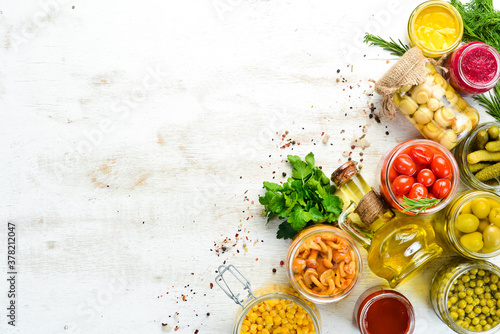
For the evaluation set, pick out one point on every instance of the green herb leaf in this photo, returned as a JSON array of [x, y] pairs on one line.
[[395, 48], [420, 204], [490, 102], [316, 215], [272, 186], [298, 219], [481, 21], [304, 199], [285, 231]]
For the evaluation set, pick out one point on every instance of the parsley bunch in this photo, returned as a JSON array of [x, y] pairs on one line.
[[306, 198]]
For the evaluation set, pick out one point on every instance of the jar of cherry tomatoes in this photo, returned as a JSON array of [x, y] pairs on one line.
[[380, 310], [418, 176], [473, 68]]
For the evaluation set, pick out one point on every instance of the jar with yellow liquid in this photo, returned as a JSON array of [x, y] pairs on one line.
[[398, 245]]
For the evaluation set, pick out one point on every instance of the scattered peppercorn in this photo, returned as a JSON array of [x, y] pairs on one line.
[[274, 270]]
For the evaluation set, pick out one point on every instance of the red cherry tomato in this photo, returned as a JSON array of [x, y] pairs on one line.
[[418, 190], [403, 164], [392, 174], [441, 188], [402, 184], [440, 166], [426, 177], [421, 154]]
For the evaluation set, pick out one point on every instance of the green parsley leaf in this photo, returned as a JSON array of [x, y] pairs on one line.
[[285, 231], [299, 219], [304, 199]]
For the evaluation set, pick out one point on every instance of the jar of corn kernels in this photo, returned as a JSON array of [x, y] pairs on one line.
[[273, 308]]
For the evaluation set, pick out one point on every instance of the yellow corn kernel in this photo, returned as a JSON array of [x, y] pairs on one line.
[[253, 327], [265, 331], [268, 320], [244, 328]]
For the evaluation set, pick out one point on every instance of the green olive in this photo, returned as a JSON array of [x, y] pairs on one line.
[[467, 223], [480, 207], [494, 216], [491, 237], [483, 224], [472, 241], [466, 208]]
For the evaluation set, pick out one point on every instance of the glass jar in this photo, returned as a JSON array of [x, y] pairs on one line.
[[453, 228], [270, 307], [436, 27], [388, 174], [445, 299], [380, 310], [398, 245], [323, 264], [473, 68], [467, 146], [436, 109]]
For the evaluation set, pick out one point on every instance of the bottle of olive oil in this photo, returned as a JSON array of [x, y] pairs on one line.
[[398, 245]]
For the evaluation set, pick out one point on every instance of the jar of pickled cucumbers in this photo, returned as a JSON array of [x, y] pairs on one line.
[[436, 109], [274, 308], [478, 157], [323, 264], [465, 294], [470, 225]]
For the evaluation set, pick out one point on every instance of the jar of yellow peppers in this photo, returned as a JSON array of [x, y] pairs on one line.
[[272, 309]]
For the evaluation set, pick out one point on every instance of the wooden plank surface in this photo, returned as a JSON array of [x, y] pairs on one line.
[[136, 135]]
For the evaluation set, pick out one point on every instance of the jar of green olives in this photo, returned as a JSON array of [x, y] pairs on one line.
[[478, 157], [470, 224], [465, 295]]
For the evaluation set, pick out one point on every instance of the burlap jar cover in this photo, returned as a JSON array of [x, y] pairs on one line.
[[408, 70]]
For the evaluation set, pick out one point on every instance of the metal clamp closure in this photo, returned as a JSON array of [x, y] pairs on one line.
[[221, 282]]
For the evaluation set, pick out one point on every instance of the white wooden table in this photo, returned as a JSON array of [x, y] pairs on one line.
[[135, 135]]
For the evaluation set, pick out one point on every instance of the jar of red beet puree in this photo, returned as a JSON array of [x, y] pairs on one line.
[[473, 68], [380, 310]]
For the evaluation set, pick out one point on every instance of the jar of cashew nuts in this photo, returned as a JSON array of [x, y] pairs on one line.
[[436, 109]]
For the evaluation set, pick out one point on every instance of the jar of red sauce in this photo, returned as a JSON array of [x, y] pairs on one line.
[[380, 310], [473, 68]]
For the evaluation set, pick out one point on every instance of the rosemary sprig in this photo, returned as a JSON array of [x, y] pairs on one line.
[[491, 101], [421, 204], [392, 46]]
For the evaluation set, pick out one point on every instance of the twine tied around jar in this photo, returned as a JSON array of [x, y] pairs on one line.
[[408, 70]]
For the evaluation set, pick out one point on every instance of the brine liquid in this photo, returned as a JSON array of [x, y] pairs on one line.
[[401, 247]]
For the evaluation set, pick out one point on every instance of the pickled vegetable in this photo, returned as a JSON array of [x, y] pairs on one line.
[[472, 302], [467, 223], [472, 241], [436, 109], [480, 207], [478, 225], [491, 237], [489, 173]]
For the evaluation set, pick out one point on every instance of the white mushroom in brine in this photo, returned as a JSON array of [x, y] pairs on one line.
[[448, 139], [421, 94], [407, 105], [451, 96], [433, 104], [472, 114], [423, 115], [444, 117], [432, 131]]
